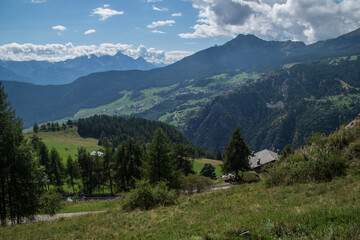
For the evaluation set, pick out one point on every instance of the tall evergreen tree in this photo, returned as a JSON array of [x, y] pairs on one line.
[[86, 170], [72, 170], [127, 164], [56, 169], [108, 165], [237, 153], [20, 177], [160, 166]]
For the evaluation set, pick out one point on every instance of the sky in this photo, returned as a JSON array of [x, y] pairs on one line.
[[161, 31]]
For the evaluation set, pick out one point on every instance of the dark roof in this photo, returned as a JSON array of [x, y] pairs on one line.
[[265, 157]]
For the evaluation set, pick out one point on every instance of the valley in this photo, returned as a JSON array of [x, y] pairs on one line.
[[112, 126]]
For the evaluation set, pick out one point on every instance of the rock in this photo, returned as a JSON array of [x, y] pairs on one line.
[[245, 234]]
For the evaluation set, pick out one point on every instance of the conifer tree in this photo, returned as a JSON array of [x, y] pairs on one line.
[[127, 164], [237, 154], [20, 177], [160, 166]]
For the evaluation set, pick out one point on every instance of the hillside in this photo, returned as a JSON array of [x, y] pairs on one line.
[[306, 211], [283, 107], [66, 142], [244, 53], [63, 72]]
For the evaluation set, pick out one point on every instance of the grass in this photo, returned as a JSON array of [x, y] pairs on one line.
[[66, 142], [90, 206], [199, 164], [310, 211]]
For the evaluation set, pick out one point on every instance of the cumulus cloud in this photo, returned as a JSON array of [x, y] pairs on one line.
[[152, 1], [59, 27], [61, 52], [161, 23], [176, 14], [105, 12], [305, 20], [157, 31], [160, 9], [89, 31]]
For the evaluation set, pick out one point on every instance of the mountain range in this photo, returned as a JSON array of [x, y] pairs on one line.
[[210, 67], [63, 72]]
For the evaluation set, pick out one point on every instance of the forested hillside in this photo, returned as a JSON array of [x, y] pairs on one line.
[[118, 129], [283, 107]]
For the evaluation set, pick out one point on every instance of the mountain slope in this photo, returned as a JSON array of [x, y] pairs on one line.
[[244, 53], [49, 73], [283, 107]]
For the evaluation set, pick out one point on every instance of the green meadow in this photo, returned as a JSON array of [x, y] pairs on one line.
[[304, 211]]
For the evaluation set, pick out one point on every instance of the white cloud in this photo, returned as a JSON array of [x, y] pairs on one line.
[[176, 14], [105, 12], [38, 1], [157, 31], [152, 1], [61, 52], [89, 31], [59, 27], [160, 9], [305, 20], [161, 23]]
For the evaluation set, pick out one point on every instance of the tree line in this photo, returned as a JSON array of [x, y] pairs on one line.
[[116, 169]]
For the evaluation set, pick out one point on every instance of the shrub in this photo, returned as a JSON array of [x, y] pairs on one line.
[[208, 171], [50, 202], [195, 183], [145, 196]]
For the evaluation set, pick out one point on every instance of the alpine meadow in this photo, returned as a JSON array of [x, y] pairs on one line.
[[183, 119]]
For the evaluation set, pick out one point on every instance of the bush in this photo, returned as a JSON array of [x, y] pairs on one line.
[[208, 171], [50, 202], [313, 166], [195, 183], [145, 196]]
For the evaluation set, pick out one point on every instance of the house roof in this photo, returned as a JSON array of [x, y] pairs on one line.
[[265, 157]]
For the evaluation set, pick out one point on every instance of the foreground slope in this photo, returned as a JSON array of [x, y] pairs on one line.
[[309, 211], [283, 107]]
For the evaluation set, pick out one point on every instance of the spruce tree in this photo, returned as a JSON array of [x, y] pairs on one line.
[[127, 164], [237, 154], [160, 166]]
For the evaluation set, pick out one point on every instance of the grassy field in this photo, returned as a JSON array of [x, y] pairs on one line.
[[66, 142], [199, 164], [90, 206], [308, 211]]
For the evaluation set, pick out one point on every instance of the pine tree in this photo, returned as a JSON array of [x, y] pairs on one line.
[[160, 166], [56, 169], [20, 178], [237, 154], [127, 164], [72, 171]]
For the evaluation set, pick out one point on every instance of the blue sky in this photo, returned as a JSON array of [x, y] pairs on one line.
[[161, 30]]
